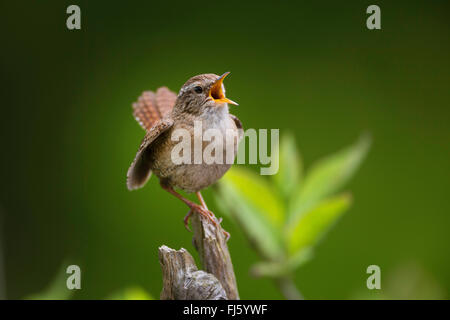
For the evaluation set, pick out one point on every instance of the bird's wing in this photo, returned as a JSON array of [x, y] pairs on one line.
[[152, 107], [140, 171], [238, 125]]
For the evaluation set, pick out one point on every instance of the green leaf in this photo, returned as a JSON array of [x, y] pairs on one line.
[[258, 192], [290, 167], [249, 201], [57, 289], [280, 269], [315, 223], [131, 293], [328, 175]]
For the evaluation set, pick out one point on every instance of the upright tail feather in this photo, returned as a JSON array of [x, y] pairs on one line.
[[151, 107]]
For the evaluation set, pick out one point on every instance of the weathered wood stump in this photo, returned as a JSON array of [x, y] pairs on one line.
[[181, 278]]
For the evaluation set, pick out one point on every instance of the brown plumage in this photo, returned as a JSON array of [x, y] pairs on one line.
[[201, 99], [151, 107]]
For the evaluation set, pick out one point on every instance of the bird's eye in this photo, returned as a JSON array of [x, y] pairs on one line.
[[198, 89]]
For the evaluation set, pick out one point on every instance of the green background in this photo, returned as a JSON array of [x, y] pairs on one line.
[[311, 68]]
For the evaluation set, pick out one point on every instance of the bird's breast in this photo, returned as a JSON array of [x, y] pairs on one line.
[[207, 148]]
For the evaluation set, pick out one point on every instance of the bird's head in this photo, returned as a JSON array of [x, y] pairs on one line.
[[203, 93]]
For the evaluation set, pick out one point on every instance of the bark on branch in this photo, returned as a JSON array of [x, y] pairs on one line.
[[182, 279]]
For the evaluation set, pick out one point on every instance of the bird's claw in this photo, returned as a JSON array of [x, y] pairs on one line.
[[227, 235], [186, 220], [207, 214]]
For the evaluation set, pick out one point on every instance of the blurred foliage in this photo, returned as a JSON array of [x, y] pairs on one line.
[[407, 281], [286, 215], [130, 293], [411, 281], [57, 290]]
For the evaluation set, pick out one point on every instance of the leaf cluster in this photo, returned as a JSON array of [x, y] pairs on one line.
[[286, 215]]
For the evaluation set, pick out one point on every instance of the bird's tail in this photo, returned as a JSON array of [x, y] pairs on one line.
[[151, 107]]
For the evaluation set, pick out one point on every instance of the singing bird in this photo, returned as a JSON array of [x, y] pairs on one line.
[[201, 100]]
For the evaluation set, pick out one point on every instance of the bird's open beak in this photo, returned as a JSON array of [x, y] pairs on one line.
[[216, 91]]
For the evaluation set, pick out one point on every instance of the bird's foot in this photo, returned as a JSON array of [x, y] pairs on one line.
[[227, 235], [186, 220], [208, 215], [204, 212]]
